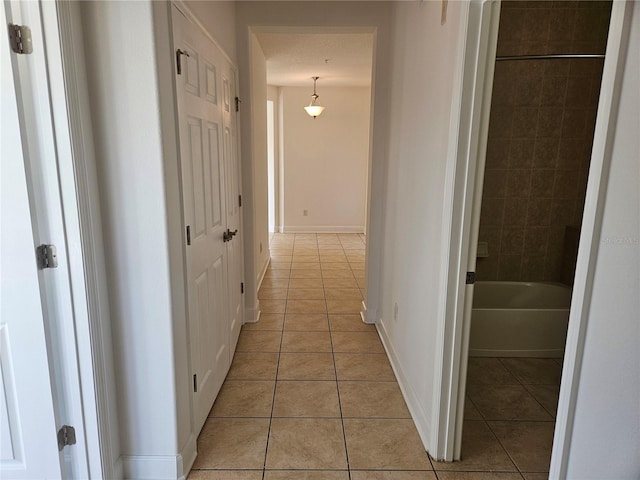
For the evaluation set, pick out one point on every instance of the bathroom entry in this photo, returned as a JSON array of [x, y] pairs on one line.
[[546, 87]]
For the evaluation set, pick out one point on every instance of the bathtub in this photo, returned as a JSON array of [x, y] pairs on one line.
[[519, 319]]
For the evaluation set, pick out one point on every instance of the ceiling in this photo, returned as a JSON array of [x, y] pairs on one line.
[[339, 59]]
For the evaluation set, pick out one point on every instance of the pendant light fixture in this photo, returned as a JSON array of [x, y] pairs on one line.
[[314, 108]]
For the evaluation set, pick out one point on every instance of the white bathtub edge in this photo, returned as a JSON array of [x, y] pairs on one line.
[[478, 352]]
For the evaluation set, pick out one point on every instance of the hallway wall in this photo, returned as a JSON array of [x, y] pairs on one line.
[[219, 18], [422, 126], [256, 193], [326, 160], [130, 163]]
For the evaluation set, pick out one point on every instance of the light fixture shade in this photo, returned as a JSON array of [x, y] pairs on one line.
[[314, 110]]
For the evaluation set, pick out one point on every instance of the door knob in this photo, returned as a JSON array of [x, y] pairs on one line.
[[228, 235]]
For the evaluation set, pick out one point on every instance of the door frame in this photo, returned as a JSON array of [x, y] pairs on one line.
[[73, 154], [368, 313], [472, 131]]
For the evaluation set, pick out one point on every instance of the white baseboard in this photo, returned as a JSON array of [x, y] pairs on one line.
[[410, 397], [252, 314], [263, 272], [368, 315], [152, 467], [323, 229], [118, 469]]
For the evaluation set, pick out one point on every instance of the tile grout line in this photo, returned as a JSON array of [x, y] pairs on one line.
[[275, 383], [524, 385], [335, 369], [486, 422]]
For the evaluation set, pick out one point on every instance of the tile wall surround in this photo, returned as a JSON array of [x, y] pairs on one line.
[[540, 137]]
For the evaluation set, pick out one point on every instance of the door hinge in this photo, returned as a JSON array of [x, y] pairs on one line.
[[47, 256], [238, 102], [241, 287], [20, 39], [239, 200], [179, 54], [471, 278], [66, 436], [188, 235], [195, 383]]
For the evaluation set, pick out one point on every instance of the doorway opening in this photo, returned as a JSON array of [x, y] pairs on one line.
[[318, 167], [271, 166], [546, 88]]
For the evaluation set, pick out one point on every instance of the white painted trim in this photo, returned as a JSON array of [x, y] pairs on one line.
[[617, 42], [188, 455], [366, 315], [89, 278], [449, 331], [252, 313], [480, 50], [153, 467], [419, 416], [86, 372], [263, 272], [479, 130], [324, 229]]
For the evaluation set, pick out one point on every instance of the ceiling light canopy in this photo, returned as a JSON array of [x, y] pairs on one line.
[[314, 108]]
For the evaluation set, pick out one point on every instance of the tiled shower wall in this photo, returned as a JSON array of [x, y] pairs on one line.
[[540, 137]]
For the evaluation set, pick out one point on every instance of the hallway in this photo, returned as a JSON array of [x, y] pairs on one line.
[[310, 393]]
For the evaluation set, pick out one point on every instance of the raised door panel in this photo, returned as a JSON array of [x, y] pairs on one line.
[[194, 179], [191, 67], [220, 347], [217, 175]]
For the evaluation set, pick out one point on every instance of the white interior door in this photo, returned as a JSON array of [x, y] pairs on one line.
[[234, 220], [28, 445], [202, 133]]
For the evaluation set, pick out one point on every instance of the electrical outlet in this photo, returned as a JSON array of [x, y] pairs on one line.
[[305, 213], [395, 312]]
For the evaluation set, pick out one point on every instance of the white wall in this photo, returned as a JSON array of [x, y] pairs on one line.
[[259, 190], [127, 131], [326, 159], [219, 18], [424, 70], [605, 442], [273, 95]]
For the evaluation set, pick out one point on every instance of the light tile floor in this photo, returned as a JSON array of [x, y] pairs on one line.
[[311, 394]]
